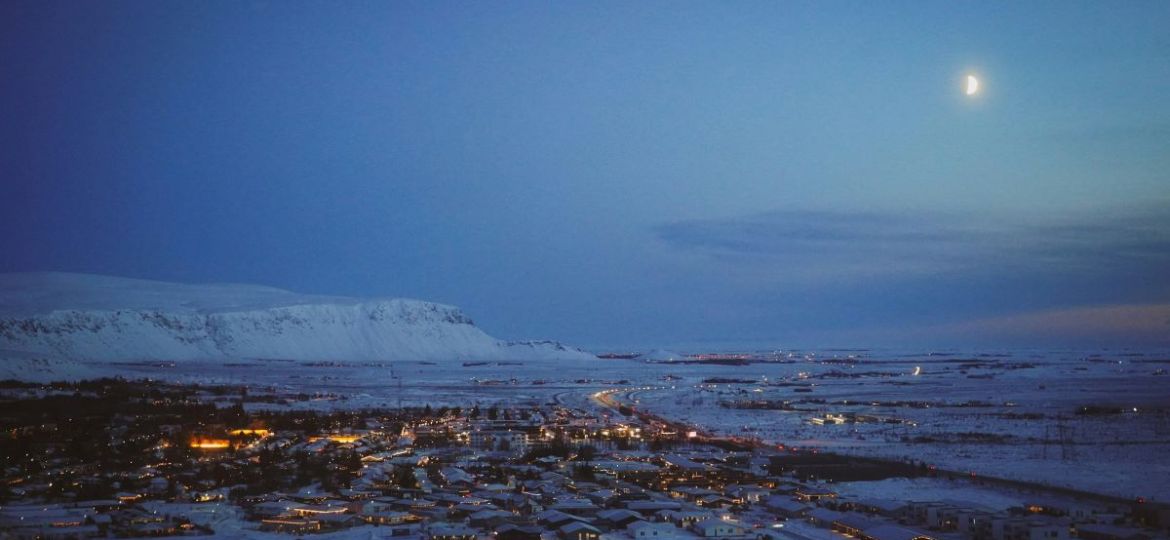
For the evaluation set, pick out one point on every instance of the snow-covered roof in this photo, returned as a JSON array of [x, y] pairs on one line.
[[895, 532]]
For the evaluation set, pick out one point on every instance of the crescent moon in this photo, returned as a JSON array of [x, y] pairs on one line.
[[972, 85]]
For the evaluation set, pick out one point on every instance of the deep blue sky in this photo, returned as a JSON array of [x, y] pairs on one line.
[[605, 173]]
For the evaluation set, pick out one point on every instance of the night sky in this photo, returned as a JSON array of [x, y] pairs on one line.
[[613, 173]]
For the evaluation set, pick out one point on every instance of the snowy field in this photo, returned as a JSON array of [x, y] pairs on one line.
[[935, 489], [1098, 423], [1096, 420]]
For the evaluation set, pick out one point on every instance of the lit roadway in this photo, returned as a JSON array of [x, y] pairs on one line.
[[605, 398]]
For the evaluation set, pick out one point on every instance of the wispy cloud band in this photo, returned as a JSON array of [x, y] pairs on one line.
[[869, 243]]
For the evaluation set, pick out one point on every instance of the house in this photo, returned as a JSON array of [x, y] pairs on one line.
[[387, 517], [457, 500], [487, 519], [456, 477], [135, 516], [746, 493], [823, 517], [785, 507], [933, 514], [577, 507], [691, 493], [893, 532], [783, 533], [1029, 528], [317, 510], [617, 518], [1061, 507], [273, 508], [339, 521], [294, 525], [813, 494], [1109, 532], [554, 519], [852, 524], [684, 464], [512, 531], [648, 508], [717, 528], [714, 501], [509, 501], [500, 439], [627, 470], [461, 511], [685, 518], [644, 530], [601, 497], [415, 506], [881, 507], [578, 531], [977, 525], [450, 532]]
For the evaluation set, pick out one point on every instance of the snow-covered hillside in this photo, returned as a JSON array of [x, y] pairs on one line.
[[97, 318]]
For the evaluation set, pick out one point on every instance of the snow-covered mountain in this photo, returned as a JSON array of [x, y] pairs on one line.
[[80, 317]]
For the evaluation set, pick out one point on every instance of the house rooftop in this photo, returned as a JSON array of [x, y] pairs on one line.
[[894, 532]]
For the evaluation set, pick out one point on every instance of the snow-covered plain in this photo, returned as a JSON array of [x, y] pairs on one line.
[[1021, 424], [917, 489], [1090, 420]]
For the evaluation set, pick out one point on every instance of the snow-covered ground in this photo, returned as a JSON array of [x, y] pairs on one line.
[[25, 366], [1022, 422], [1020, 416], [934, 489]]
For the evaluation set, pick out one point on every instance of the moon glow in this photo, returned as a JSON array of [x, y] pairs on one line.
[[972, 85]]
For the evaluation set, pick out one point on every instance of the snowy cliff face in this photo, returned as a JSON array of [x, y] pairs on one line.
[[84, 317]]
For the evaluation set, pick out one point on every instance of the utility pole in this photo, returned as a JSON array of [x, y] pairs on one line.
[[399, 378]]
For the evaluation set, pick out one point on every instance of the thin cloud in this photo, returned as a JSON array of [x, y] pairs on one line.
[[884, 243], [1092, 325]]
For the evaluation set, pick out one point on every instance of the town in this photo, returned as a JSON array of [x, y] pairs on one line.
[[117, 458]]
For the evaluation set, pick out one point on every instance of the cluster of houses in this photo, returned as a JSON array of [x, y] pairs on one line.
[[693, 493], [463, 478], [90, 519]]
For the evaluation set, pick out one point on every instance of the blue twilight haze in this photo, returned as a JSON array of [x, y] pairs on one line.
[[613, 173]]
